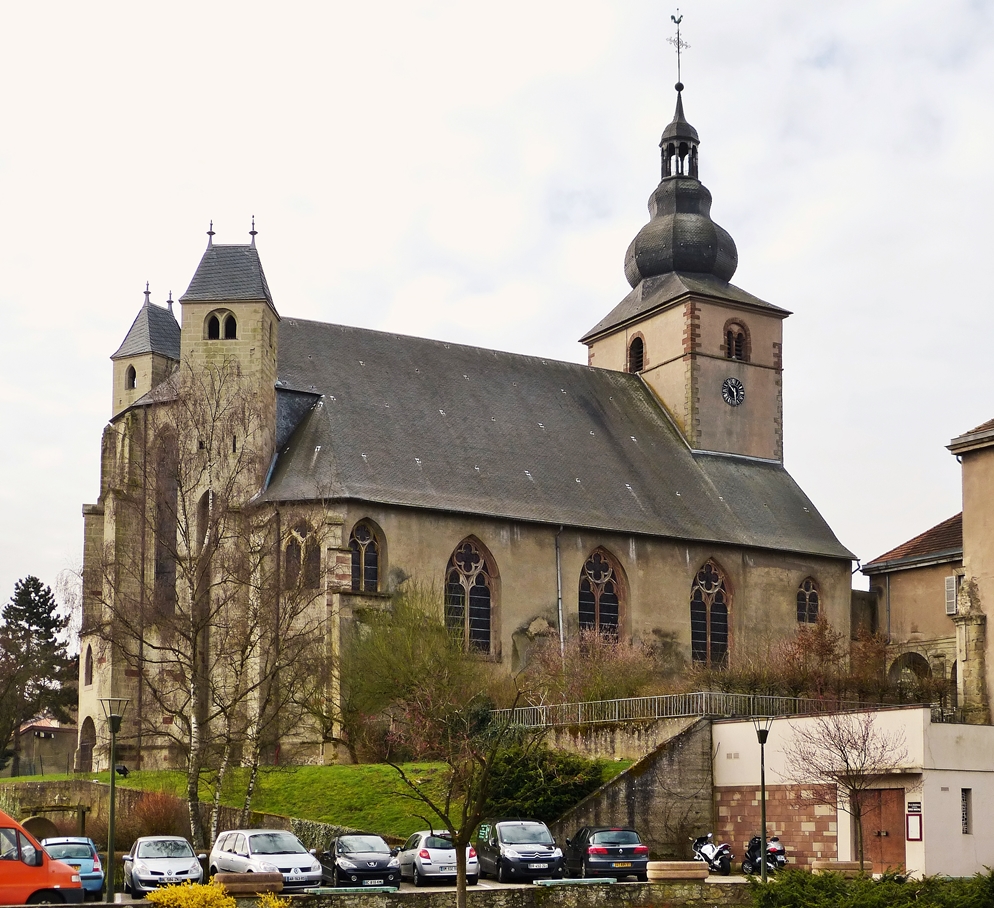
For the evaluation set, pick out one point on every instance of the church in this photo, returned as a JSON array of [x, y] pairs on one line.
[[254, 459]]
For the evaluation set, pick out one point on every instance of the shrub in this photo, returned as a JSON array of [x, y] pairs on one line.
[[272, 900], [161, 813], [193, 895]]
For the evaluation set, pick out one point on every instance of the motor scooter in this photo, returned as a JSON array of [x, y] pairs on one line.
[[717, 857], [776, 855]]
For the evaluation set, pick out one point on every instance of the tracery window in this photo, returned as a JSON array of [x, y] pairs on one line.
[[807, 602], [599, 603], [221, 324], [301, 559], [470, 591], [709, 602], [636, 355], [365, 559]]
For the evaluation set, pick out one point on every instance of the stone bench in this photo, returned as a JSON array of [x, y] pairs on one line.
[[846, 868], [677, 870], [250, 883]]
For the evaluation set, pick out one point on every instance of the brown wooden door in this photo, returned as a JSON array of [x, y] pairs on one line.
[[883, 829]]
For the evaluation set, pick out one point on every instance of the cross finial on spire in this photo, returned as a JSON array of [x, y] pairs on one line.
[[146, 293], [680, 45], [210, 235], [253, 231]]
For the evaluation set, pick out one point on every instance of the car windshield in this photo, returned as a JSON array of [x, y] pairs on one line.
[[165, 848], [437, 841], [276, 843], [525, 834], [363, 843], [616, 837], [69, 850]]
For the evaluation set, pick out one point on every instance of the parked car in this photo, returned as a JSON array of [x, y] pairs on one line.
[[609, 851], [266, 851], [429, 855], [360, 860], [28, 874], [517, 850], [160, 860], [80, 853]]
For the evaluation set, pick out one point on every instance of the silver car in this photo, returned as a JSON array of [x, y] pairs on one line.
[[160, 860], [266, 851], [429, 855]]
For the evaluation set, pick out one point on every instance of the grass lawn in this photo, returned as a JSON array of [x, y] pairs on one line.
[[368, 796]]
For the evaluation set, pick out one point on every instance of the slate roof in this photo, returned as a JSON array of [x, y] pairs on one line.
[[944, 541], [228, 273], [154, 330], [422, 423], [654, 293]]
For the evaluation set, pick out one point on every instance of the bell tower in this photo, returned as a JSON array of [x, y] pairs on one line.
[[710, 351]]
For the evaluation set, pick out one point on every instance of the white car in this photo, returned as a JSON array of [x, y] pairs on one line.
[[266, 851], [428, 855], [160, 860]]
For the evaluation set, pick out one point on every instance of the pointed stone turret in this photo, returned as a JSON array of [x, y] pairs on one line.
[[147, 355]]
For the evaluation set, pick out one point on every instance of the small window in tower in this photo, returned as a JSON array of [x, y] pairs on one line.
[[736, 342], [213, 328], [131, 379], [636, 355], [234, 444], [230, 328]]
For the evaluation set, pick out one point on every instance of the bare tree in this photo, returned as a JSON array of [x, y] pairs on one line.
[[194, 598], [843, 753]]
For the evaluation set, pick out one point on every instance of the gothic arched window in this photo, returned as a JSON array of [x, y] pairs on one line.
[[808, 602], [737, 345], [709, 617], [130, 378], [636, 355], [88, 666], [365, 559], [470, 593], [230, 328], [213, 328], [599, 600], [301, 559]]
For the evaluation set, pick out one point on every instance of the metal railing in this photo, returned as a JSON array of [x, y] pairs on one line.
[[712, 704]]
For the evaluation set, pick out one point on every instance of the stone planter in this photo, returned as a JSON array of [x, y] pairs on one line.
[[250, 883], [846, 868], [677, 870]]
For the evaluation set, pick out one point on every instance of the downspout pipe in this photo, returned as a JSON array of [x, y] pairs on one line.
[[559, 596]]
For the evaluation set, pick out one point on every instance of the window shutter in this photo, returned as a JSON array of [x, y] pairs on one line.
[[951, 595]]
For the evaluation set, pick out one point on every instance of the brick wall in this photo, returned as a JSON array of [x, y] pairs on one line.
[[807, 827]]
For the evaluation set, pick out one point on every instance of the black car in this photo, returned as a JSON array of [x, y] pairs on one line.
[[517, 850], [360, 860], [608, 851]]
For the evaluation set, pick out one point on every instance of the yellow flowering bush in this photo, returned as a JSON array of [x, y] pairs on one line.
[[193, 895]]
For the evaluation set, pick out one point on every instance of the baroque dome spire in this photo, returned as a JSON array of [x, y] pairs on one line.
[[680, 235]]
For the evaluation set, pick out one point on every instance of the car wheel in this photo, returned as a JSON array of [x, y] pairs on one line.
[[45, 897], [419, 880], [472, 880], [502, 875]]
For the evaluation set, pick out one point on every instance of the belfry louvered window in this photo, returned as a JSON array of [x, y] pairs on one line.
[[709, 618], [469, 596], [599, 603]]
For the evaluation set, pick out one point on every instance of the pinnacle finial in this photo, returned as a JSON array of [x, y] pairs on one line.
[[253, 231], [680, 46], [147, 294], [169, 302], [210, 235]]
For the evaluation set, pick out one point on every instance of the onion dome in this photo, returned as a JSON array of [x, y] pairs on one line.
[[680, 235]]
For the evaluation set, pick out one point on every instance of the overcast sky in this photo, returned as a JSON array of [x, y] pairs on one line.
[[474, 172]]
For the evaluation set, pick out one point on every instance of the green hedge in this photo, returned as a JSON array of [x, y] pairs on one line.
[[798, 889]]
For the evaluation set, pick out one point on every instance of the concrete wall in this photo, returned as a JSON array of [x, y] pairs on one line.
[[666, 796], [977, 592], [621, 741]]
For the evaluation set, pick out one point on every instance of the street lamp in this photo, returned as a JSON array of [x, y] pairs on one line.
[[114, 708], [762, 725]]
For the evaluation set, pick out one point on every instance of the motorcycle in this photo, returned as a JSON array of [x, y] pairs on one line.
[[717, 857], [776, 855]]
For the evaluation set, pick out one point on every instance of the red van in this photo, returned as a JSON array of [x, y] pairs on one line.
[[28, 876]]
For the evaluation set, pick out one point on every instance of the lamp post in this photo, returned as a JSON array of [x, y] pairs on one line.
[[113, 708], [762, 725]]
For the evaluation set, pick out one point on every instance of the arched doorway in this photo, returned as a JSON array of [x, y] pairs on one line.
[[87, 741]]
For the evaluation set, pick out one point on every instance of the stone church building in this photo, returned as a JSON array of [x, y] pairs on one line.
[[642, 494]]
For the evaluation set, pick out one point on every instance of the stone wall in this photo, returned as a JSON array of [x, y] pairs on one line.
[[807, 827], [666, 796], [621, 741]]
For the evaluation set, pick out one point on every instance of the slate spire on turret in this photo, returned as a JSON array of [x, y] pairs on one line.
[[154, 330], [229, 274]]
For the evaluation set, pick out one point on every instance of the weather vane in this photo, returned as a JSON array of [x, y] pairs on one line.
[[679, 44]]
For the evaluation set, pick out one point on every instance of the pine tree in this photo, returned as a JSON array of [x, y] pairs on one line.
[[37, 674]]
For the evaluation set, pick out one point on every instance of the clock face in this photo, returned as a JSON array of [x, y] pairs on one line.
[[733, 391]]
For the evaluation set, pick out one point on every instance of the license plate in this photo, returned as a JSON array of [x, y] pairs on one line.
[[372, 882], [538, 866], [446, 869], [622, 864], [295, 877]]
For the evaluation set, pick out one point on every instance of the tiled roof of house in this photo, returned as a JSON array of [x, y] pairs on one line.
[[945, 540], [421, 423]]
